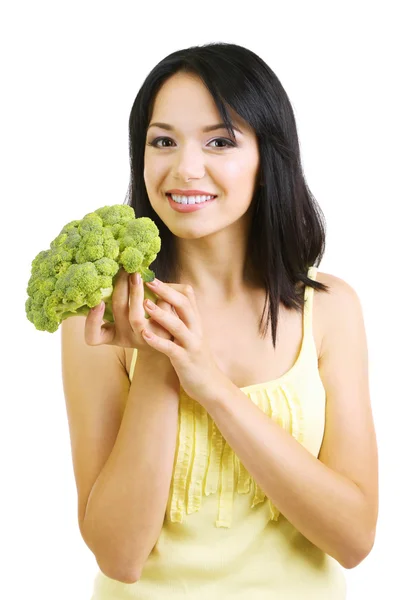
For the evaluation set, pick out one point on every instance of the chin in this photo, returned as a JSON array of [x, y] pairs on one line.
[[188, 233], [180, 226]]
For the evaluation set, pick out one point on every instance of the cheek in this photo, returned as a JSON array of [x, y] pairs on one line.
[[233, 169], [154, 175], [147, 174], [240, 185], [239, 173], [148, 167]]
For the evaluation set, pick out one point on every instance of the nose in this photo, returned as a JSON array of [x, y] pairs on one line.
[[190, 163]]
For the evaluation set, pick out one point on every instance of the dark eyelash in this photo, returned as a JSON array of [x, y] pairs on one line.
[[229, 142]]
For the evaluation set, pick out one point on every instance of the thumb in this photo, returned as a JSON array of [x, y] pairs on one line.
[[94, 333]]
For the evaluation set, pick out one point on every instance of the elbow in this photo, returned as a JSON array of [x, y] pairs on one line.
[[359, 555], [130, 578], [122, 574], [114, 567]]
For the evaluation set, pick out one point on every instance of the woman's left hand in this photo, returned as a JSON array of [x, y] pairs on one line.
[[188, 352]]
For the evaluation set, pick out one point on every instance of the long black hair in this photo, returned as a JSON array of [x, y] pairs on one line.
[[287, 230]]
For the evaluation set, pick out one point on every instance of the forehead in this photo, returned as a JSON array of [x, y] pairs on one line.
[[184, 102]]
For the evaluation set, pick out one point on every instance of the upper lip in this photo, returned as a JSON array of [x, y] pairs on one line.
[[189, 193]]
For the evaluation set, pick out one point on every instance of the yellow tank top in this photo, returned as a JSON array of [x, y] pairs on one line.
[[222, 538]]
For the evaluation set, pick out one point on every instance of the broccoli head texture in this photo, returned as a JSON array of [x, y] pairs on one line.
[[79, 269]]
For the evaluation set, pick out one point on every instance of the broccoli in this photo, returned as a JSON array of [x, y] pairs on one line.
[[79, 270]]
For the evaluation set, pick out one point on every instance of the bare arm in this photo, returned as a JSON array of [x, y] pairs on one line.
[[127, 504], [332, 500]]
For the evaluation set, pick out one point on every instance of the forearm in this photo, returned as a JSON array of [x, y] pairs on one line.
[[127, 504], [326, 507]]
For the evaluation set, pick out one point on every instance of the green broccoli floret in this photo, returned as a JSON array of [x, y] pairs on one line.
[[79, 269]]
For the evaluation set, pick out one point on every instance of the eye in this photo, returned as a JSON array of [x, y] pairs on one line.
[[227, 143], [154, 143]]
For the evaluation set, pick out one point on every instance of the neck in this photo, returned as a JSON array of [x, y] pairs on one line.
[[215, 266]]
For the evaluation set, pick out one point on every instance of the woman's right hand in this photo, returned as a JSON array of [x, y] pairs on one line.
[[129, 318]]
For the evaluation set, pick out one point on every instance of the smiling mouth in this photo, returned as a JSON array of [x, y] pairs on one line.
[[213, 197]]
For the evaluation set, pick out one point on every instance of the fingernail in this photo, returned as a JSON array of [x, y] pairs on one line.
[[150, 304], [153, 283], [98, 307], [135, 278]]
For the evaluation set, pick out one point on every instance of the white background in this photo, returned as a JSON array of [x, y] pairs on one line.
[[69, 75]]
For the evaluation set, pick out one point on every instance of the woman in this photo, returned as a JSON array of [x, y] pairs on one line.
[[214, 456]]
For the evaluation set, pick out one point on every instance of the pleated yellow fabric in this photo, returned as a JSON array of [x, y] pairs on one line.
[[222, 537]]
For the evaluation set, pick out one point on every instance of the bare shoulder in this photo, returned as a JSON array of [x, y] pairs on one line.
[[333, 281], [340, 300], [338, 287]]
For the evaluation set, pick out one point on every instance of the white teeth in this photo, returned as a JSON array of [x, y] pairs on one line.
[[190, 199]]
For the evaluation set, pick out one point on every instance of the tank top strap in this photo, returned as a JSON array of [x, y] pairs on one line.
[[308, 307], [133, 364]]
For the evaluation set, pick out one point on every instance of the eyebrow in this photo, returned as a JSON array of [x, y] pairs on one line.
[[205, 129]]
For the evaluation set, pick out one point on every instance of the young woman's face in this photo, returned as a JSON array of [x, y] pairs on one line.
[[187, 158]]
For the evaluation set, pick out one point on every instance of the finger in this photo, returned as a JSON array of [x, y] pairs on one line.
[[182, 298], [168, 308], [167, 347], [94, 333], [136, 310], [170, 322], [165, 305], [120, 296], [155, 326]]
